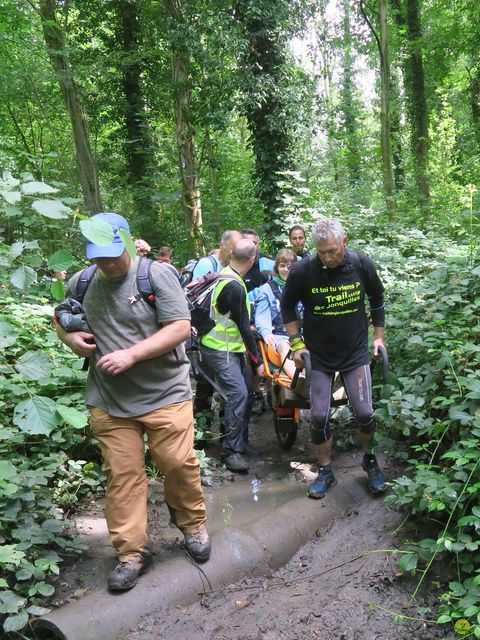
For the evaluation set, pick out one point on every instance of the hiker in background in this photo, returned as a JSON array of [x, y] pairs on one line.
[[215, 261], [223, 352], [165, 254], [298, 239], [165, 257], [261, 272], [138, 383], [142, 248], [268, 318]]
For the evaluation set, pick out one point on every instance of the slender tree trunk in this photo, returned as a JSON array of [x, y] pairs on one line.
[[184, 129], [212, 165], [138, 143], [416, 97], [396, 129], [475, 102], [55, 41], [348, 105], [388, 183]]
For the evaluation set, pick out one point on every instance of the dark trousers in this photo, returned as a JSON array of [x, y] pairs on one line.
[[228, 371]]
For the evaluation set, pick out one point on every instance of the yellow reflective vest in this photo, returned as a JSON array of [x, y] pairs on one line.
[[225, 335]]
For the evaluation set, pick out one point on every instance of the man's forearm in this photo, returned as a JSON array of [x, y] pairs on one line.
[[164, 340], [378, 333], [293, 328]]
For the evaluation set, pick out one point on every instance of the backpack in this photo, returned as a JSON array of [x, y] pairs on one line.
[[144, 285], [186, 274], [199, 298]]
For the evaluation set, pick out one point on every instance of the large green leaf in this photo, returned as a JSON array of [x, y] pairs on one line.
[[8, 334], [16, 249], [128, 242], [36, 415], [11, 196], [10, 554], [15, 623], [7, 470], [97, 231], [76, 418], [23, 277], [31, 188], [51, 209], [61, 260], [34, 365], [58, 290]]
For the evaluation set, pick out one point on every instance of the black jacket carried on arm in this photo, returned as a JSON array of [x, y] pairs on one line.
[[335, 323], [233, 300]]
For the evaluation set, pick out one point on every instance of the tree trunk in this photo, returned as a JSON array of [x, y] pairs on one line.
[[475, 102], [184, 130], [416, 98], [265, 106], [388, 183], [348, 106], [212, 165], [55, 41], [396, 129], [138, 142]]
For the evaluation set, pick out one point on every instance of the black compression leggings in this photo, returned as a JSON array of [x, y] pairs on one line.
[[358, 385]]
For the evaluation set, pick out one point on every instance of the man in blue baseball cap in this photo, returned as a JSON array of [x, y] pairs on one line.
[[138, 383]]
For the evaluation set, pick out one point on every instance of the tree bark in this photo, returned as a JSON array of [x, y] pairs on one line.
[[416, 98], [348, 103], [184, 130], [55, 41], [265, 106], [138, 142], [388, 182], [475, 102]]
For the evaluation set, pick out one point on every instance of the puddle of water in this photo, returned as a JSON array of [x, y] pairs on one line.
[[248, 500]]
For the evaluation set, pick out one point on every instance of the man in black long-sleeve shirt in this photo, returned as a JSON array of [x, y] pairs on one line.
[[223, 353], [332, 286]]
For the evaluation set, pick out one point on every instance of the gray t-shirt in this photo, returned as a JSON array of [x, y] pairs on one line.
[[118, 324]]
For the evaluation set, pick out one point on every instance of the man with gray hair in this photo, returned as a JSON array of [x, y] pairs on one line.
[[223, 352], [216, 261], [332, 286]]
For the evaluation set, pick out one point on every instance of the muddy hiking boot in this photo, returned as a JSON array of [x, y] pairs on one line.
[[198, 545], [319, 487], [236, 462], [376, 479], [126, 574]]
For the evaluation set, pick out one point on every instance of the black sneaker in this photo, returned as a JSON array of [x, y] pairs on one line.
[[235, 462], [376, 479], [258, 406], [126, 574], [319, 487], [198, 545]]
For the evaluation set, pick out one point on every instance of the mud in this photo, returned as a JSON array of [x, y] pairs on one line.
[[342, 585]]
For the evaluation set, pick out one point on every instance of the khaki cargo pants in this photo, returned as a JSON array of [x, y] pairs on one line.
[[170, 439]]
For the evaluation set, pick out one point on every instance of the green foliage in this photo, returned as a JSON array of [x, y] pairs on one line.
[[432, 403]]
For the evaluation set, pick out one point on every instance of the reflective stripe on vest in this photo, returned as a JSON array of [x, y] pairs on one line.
[[225, 335]]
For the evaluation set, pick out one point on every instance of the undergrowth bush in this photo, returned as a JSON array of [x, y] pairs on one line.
[[429, 411]]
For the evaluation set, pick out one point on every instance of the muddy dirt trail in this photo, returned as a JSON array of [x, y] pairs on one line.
[[342, 585]]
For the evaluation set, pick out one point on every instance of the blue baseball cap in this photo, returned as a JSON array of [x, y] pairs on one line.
[[116, 248]]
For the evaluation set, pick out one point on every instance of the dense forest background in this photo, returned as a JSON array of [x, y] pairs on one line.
[[190, 118]]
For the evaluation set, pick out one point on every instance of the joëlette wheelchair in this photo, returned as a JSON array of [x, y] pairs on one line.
[[286, 402]]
